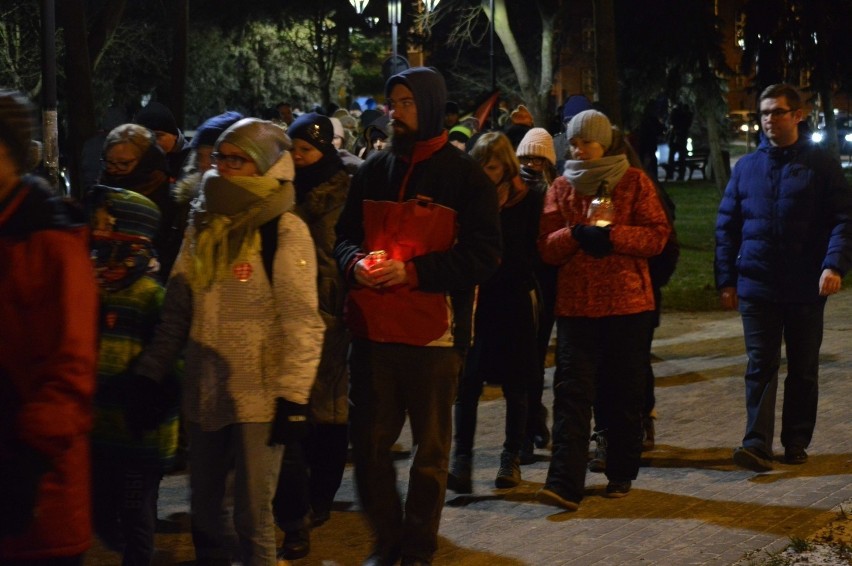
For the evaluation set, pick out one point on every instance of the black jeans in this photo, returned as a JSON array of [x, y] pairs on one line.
[[612, 350], [389, 381]]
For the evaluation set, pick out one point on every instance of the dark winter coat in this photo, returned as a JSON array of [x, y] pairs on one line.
[[320, 209], [786, 215]]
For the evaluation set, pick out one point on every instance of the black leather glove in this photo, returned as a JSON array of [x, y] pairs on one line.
[[144, 404], [21, 475], [594, 240], [290, 423]]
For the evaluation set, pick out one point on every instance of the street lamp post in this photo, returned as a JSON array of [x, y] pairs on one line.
[[359, 5], [394, 18]]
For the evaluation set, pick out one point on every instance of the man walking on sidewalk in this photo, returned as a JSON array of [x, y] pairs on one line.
[[783, 244]]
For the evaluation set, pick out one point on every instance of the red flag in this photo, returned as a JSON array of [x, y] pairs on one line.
[[484, 110]]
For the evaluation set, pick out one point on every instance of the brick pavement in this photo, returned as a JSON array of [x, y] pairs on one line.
[[690, 505]]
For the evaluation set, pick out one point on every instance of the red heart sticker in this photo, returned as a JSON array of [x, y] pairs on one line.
[[243, 271]]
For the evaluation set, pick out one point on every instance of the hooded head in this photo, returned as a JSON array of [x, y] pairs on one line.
[[430, 95], [124, 224], [573, 105], [17, 123], [261, 140], [122, 214], [158, 118], [590, 125]]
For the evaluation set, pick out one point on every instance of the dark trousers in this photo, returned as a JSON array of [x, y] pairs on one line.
[[612, 350], [467, 405], [765, 324], [124, 508], [504, 347], [311, 473], [389, 381], [649, 400], [536, 413]]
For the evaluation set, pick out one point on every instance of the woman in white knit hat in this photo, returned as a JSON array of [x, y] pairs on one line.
[[604, 306], [537, 156]]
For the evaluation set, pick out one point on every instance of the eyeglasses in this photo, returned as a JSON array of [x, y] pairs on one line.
[[533, 161], [228, 160], [120, 166], [775, 113]]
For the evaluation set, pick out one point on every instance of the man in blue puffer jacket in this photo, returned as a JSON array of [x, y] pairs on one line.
[[783, 244]]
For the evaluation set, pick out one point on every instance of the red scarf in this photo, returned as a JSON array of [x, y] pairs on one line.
[[423, 150]]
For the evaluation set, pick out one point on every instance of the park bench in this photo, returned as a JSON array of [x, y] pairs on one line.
[[695, 161]]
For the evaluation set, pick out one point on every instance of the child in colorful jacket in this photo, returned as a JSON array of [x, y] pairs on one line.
[[127, 464]]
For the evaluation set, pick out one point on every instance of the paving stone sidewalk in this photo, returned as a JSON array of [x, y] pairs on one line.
[[690, 504]]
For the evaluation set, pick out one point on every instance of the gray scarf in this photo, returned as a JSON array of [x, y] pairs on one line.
[[586, 176]]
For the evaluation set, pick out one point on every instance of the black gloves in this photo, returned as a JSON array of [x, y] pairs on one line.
[[21, 475], [594, 240], [144, 404], [290, 423]]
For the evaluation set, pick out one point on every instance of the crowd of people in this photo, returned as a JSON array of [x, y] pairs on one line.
[[271, 293]]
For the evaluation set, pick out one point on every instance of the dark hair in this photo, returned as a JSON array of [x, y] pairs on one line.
[[787, 91]]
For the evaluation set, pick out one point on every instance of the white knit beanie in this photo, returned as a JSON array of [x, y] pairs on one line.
[[338, 127], [590, 125], [537, 143]]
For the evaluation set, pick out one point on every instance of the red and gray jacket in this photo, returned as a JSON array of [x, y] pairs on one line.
[[436, 211]]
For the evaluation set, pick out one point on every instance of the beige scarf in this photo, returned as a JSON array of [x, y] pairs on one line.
[[226, 216]]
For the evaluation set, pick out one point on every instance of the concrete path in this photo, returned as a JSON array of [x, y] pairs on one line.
[[690, 504]]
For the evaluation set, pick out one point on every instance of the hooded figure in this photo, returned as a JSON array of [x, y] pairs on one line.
[[430, 93], [430, 213]]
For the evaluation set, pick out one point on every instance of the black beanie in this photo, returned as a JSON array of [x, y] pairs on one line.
[[157, 117], [17, 122], [315, 129]]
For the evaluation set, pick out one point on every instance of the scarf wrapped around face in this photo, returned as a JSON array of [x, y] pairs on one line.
[[118, 263], [226, 216], [586, 176]]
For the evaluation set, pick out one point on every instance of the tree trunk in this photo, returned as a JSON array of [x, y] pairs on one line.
[[81, 107], [177, 100], [607, 64], [104, 28], [516, 58]]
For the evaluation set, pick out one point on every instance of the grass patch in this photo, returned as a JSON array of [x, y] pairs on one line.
[[692, 287]]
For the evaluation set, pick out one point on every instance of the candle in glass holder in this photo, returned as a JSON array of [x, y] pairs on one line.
[[374, 258]]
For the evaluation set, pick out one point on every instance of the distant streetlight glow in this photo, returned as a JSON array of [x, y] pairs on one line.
[[431, 5], [359, 5], [394, 18]]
